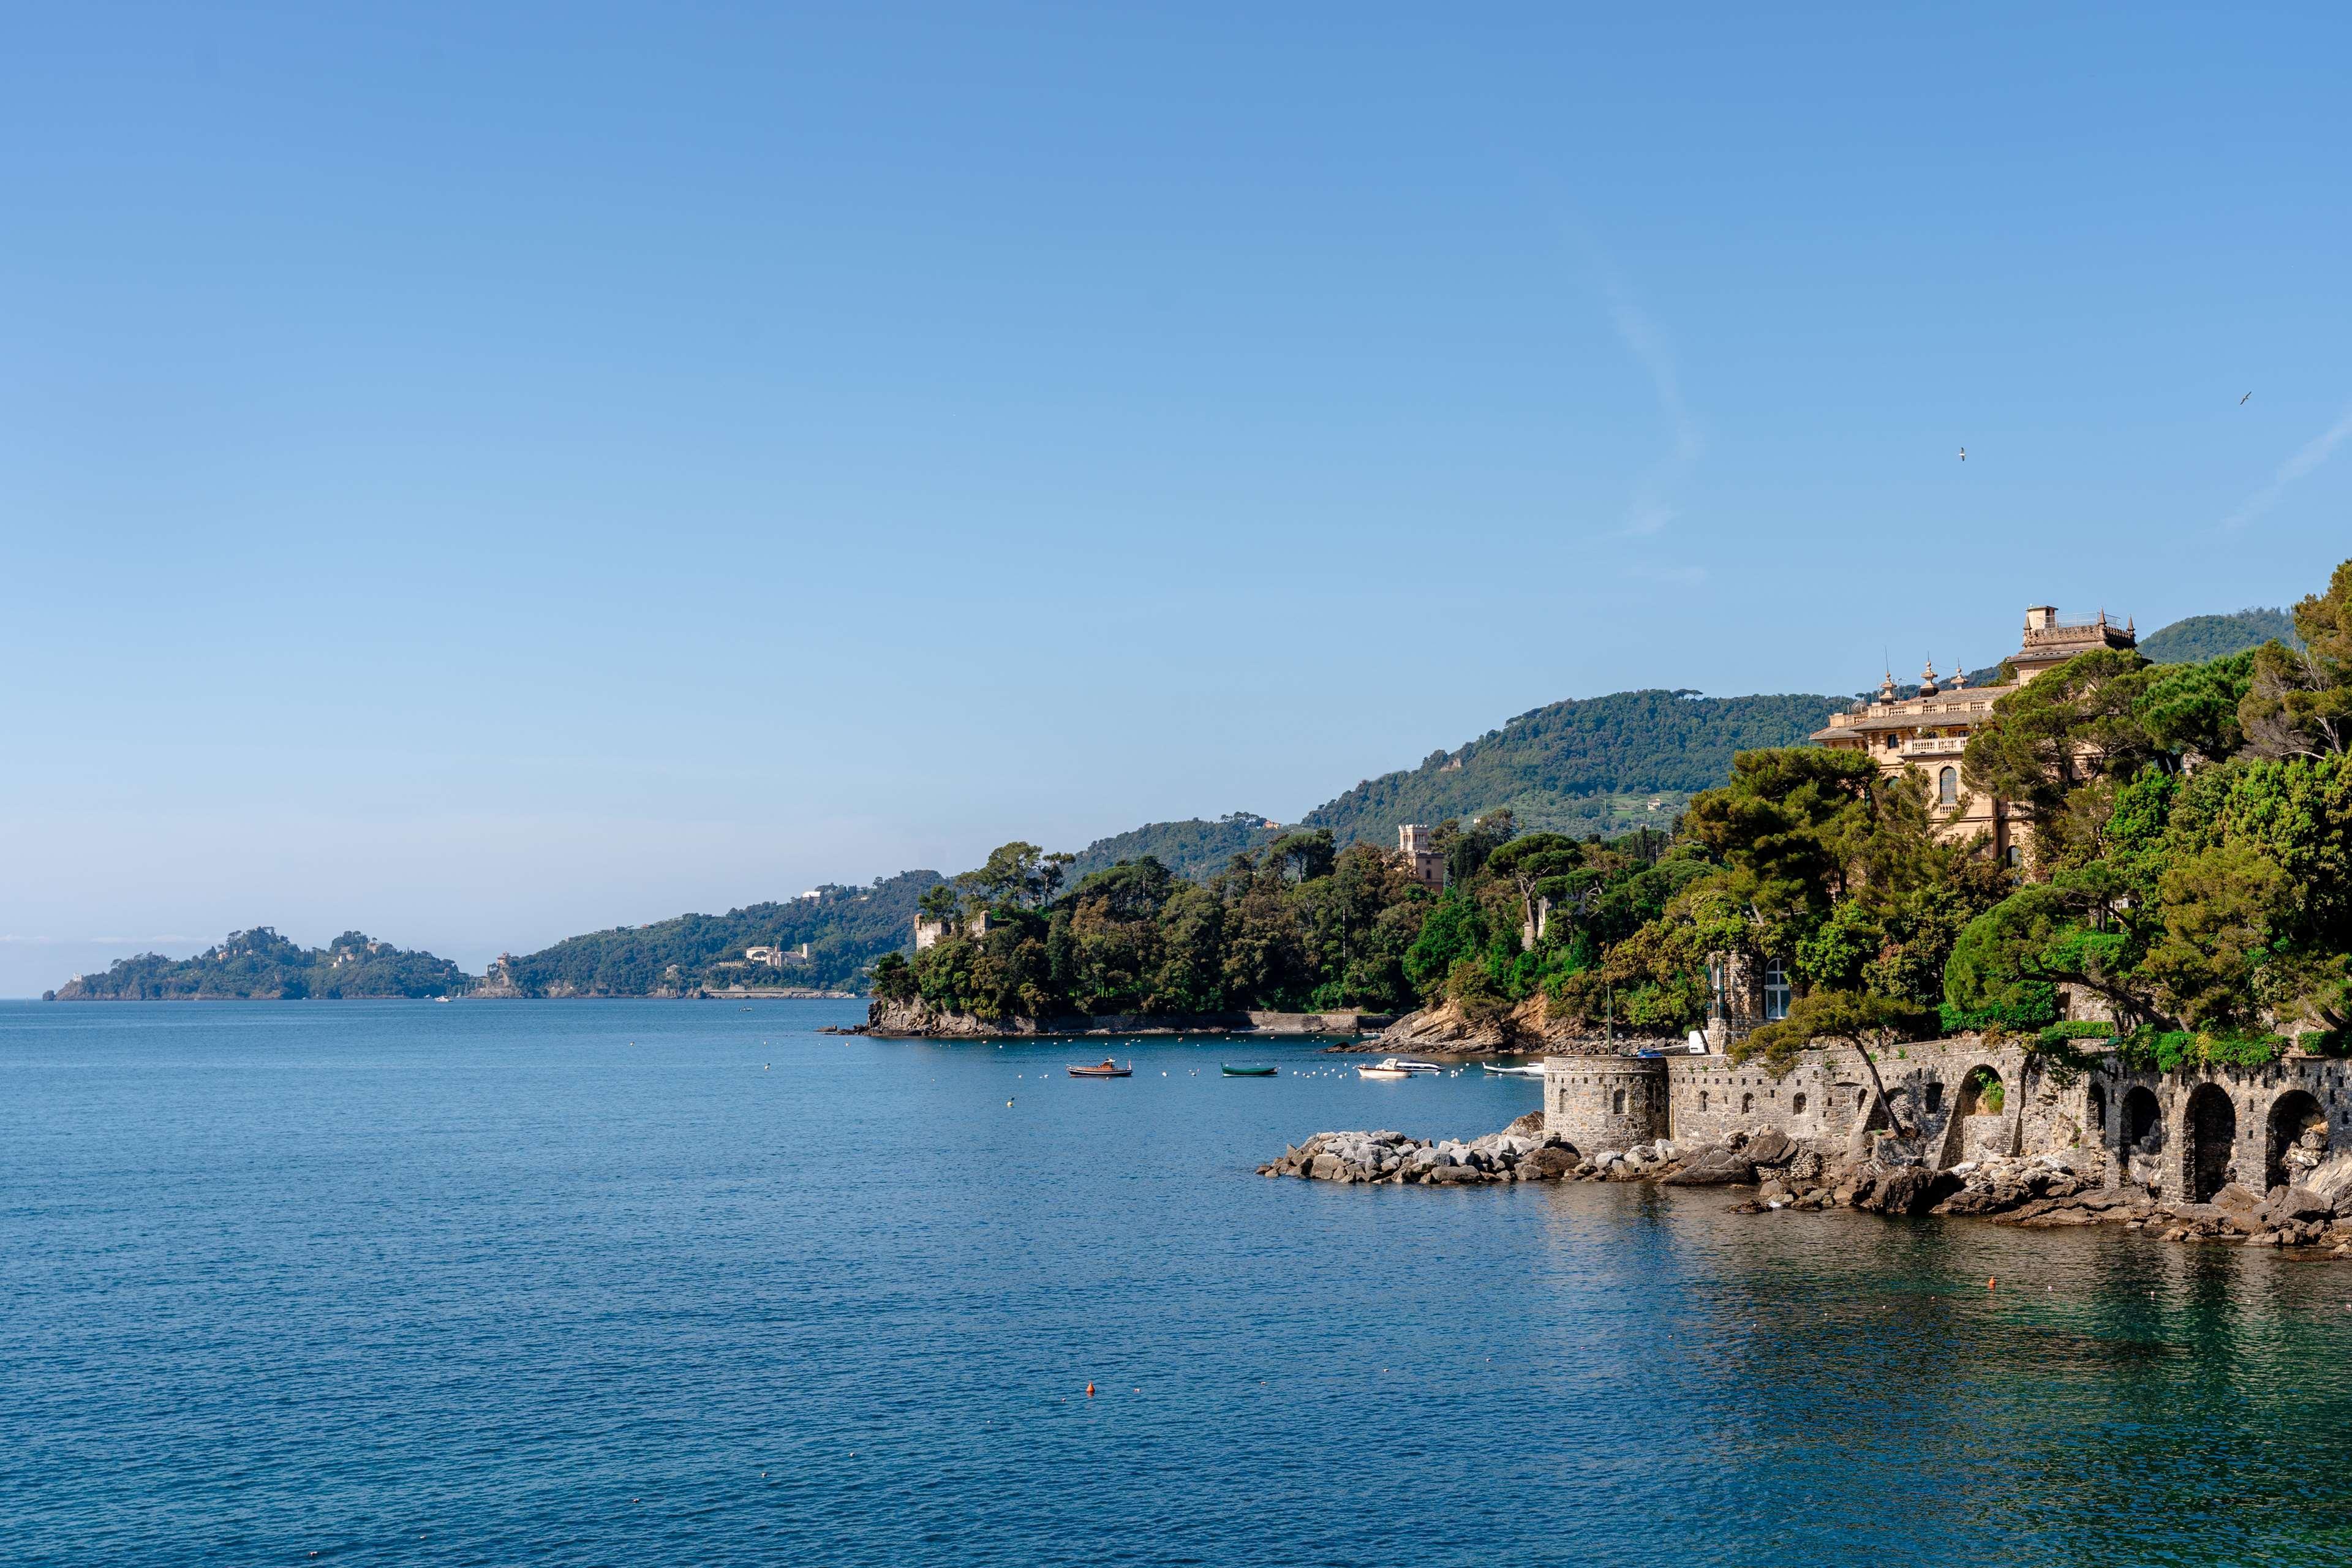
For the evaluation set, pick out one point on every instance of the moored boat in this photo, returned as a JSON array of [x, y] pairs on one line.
[[1531, 1069], [1386, 1071], [1232, 1071], [1109, 1069]]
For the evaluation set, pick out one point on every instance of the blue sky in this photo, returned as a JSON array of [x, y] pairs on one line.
[[483, 473]]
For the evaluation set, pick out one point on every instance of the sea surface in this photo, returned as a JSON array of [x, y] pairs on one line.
[[650, 1283]]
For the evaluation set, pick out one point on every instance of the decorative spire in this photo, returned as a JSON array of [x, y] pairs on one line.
[[1928, 679], [1886, 687], [1960, 678]]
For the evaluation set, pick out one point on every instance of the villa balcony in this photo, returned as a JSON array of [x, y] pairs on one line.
[[1934, 746]]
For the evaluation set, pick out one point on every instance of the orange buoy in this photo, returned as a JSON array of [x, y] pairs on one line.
[[1090, 1391]]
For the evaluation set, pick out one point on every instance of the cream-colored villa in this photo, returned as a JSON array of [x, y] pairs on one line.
[[1930, 730]]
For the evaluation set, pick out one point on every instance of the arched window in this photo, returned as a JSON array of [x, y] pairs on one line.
[[1798, 1105], [1617, 1103], [1747, 1103], [1702, 1099], [1947, 787], [1776, 992]]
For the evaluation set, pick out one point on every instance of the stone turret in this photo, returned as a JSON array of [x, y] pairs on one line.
[[1605, 1102]]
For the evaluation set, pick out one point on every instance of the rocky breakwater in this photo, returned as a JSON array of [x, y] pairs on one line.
[[1521, 1152], [2041, 1191]]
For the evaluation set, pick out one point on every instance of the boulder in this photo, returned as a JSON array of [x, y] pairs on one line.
[[1549, 1164], [1531, 1125], [1905, 1189], [1770, 1147], [2238, 1202], [2292, 1206], [1714, 1168]]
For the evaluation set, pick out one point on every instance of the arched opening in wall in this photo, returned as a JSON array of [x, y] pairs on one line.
[[1617, 1103], [2094, 1114], [2297, 1141], [2143, 1122], [1701, 1102], [1947, 787], [1747, 1103], [2212, 1129], [1798, 1105], [1981, 1093]]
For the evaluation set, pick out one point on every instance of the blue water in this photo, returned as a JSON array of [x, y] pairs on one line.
[[650, 1283]]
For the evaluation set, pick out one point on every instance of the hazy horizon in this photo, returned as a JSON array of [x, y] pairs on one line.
[[490, 473]]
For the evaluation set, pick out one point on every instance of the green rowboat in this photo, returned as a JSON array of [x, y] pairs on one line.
[[1250, 1072]]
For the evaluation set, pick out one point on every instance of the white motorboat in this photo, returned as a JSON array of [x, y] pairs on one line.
[[1532, 1069], [1396, 1066]]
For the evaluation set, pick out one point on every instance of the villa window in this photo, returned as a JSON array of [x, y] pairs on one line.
[[1776, 993], [1947, 787]]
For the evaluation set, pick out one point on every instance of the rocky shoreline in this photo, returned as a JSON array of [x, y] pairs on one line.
[[2039, 1191], [1526, 1030]]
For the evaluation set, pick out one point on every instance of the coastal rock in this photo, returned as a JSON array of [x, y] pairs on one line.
[[1714, 1167], [1770, 1147]]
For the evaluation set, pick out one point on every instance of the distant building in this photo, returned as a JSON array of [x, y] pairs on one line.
[[1426, 864], [1930, 730], [930, 933], [777, 957]]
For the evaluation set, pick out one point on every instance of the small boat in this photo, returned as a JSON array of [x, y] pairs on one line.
[[1407, 1064], [1109, 1069], [1231, 1071], [1533, 1070], [1386, 1071]]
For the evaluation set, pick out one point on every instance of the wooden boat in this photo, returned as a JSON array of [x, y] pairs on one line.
[[1109, 1069], [1231, 1071]]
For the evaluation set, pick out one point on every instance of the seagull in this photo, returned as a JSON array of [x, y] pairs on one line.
[[1964, 454], [2242, 402]]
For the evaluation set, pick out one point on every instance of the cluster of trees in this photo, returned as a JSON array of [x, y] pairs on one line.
[[847, 929], [262, 966], [1302, 925]]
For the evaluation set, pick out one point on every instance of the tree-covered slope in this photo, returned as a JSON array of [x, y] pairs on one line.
[[1580, 766], [846, 929], [2202, 637], [262, 966], [1193, 848]]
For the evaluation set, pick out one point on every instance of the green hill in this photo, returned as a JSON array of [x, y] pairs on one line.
[[1582, 767], [846, 929], [262, 966], [2202, 637], [1193, 848]]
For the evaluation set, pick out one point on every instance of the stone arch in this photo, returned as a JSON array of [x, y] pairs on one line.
[[1747, 1103], [1702, 1101], [2296, 1139], [1797, 1106], [2143, 1126], [2211, 1122], [1981, 1092]]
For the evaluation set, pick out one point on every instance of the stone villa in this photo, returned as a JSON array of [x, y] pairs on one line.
[[1930, 730]]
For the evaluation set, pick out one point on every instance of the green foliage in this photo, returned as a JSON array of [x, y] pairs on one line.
[[260, 965], [1194, 849], [2171, 1050], [2202, 638], [1853, 1018], [2300, 701], [1580, 767]]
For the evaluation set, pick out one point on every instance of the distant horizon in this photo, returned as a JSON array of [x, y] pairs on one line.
[[468, 469]]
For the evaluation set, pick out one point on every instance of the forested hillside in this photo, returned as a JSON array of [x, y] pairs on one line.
[[1579, 767], [846, 929], [1193, 848], [2202, 637], [260, 965]]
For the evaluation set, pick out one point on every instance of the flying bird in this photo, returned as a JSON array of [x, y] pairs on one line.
[[2242, 402], [1964, 454]]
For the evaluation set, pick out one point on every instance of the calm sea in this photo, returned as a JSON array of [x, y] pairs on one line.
[[663, 1283]]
